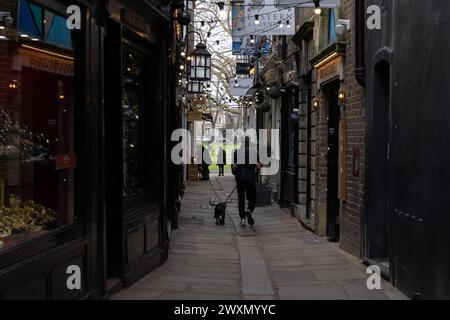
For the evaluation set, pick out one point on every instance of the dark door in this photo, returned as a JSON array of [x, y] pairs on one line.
[[333, 229], [378, 218], [289, 183]]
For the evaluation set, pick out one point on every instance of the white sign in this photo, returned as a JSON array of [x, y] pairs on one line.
[[273, 19], [240, 88]]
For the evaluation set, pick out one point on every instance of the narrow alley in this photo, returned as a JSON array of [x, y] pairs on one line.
[[275, 259]]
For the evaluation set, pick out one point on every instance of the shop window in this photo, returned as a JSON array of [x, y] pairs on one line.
[[133, 113], [37, 138], [331, 27]]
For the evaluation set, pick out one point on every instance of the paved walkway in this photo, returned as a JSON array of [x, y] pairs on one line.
[[275, 259]]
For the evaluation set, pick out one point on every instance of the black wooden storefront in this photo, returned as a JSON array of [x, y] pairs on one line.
[[113, 236], [407, 174]]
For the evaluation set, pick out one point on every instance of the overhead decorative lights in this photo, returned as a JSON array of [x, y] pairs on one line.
[[184, 18], [257, 19], [317, 9], [252, 39], [281, 24], [288, 24], [221, 5]]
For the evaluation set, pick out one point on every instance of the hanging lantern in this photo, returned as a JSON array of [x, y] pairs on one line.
[[195, 86], [184, 18], [274, 92], [200, 63], [266, 106]]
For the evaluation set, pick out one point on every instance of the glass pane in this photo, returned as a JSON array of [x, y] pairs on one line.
[[59, 34], [37, 149], [27, 23], [132, 108], [201, 72], [200, 60]]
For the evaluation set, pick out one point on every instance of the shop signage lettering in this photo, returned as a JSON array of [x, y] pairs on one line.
[[133, 20], [242, 68], [50, 64]]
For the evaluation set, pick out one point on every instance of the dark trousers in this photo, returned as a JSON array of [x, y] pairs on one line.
[[221, 170], [249, 190]]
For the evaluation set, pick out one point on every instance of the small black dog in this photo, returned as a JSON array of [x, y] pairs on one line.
[[219, 213], [220, 209]]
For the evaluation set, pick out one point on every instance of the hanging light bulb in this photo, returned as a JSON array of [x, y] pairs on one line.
[[252, 39], [221, 5], [317, 9], [181, 66], [281, 25], [257, 19], [288, 24]]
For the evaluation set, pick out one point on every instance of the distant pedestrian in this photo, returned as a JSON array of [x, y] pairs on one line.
[[245, 170], [206, 162], [221, 161]]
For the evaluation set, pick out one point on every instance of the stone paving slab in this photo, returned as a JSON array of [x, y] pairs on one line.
[[275, 259]]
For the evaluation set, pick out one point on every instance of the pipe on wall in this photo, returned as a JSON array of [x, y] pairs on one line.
[[360, 42]]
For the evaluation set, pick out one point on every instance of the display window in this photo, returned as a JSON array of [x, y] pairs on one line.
[[37, 128], [133, 118]]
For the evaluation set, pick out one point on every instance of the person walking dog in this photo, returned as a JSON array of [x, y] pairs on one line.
[[245, 167]]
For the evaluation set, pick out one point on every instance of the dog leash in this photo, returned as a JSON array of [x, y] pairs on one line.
[[230, 194]]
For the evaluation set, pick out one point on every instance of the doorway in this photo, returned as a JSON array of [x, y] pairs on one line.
[[333, 204], [379, 152]]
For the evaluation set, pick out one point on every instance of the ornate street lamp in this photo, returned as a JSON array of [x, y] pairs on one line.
[[200, 63]]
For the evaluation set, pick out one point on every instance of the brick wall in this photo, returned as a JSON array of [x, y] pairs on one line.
[[355, 115]]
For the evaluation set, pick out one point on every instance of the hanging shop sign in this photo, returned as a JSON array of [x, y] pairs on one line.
[[240, 87], [195, 116], [273, 19], [242, 68]]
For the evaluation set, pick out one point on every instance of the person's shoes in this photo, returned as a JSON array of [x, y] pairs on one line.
[[243, 223], [250, 219]]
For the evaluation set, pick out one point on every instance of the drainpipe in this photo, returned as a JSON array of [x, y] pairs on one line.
[[360, 42]]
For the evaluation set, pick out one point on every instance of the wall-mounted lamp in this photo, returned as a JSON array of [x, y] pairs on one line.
[[341, 97], [316, 104]]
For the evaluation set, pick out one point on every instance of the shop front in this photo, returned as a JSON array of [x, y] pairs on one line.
[[330, 173], [48, 162], [136, 113]]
